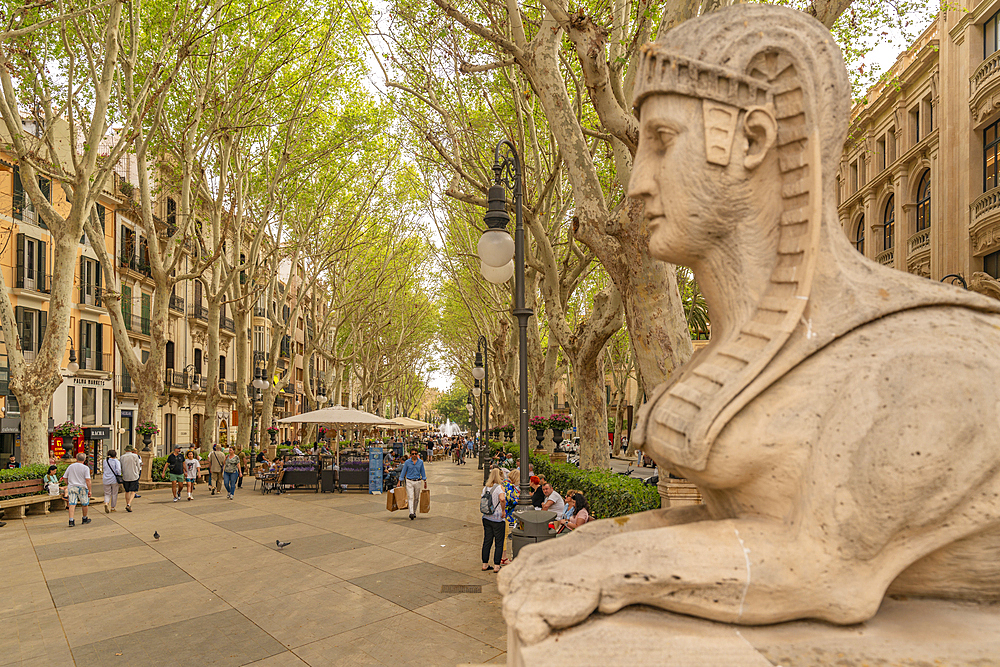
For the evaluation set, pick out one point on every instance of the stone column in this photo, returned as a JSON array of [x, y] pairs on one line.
[[147, 466]]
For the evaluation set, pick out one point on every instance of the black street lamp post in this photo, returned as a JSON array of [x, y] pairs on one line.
[[495, 252], [481, 373]]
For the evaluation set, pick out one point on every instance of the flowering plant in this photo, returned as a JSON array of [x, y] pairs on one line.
[[538, 423], [148, 427], [68, 429], [271, 429], [560, 422]]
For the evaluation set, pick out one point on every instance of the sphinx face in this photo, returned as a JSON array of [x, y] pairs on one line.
[[689, 201]]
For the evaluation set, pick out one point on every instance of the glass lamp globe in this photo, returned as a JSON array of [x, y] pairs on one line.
[[259, 383], [476, 391], [496, 275], [479, 373], [495, 247], [73, 367]]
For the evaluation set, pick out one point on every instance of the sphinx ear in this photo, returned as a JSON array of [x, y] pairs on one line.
[[760, 129]]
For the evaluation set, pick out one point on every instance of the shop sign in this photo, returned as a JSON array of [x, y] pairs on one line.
[[89, 382], [97, 433], [375, 470], [10, 425]]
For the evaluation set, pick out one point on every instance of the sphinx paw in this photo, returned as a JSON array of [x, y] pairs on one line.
[[538, 603]]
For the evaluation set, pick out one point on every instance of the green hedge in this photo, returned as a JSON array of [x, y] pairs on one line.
[[608, 494], [36, 471]]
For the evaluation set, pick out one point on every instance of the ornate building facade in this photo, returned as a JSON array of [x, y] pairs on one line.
[[918, 186]]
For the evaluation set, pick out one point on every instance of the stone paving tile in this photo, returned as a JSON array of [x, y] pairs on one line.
[[367, 508], [412, 586], [197, 509], [24, 599], [383, 643], [447, 498], [225, 559], [71, 565], [307, 616], [286, 659], [360, 562], [133, 612], [32, 637], [429, 523], [132, 579], [318, 545], [473, 614], [289, 531], [84, 547], [224, 639], [253, 523], [269, 582]]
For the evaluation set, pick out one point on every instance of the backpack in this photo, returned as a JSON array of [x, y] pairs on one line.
[[486, 504]]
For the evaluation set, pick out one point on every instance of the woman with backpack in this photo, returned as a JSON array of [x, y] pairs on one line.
[[492, 504]]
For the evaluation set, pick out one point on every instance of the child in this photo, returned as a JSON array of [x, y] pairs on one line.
[[191, 467], [50, 479]]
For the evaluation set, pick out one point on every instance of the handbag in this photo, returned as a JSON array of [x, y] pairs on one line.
[[425, 501], [118, 477]]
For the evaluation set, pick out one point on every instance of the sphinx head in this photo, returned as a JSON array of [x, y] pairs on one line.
[[741, 116]]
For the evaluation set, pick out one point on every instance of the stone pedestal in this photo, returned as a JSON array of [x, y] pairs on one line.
[[147, 466], [909, 632]]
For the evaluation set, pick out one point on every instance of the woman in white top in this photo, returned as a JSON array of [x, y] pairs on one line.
[[493, 523], [112, 471]]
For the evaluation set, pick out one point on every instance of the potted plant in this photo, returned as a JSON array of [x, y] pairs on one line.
[[147, 430], [273, 432], [539, 424], [509, 432], [68, 430], [559, 423]]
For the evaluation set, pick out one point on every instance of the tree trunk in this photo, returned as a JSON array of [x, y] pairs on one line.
[[34, 426], [592, 414]]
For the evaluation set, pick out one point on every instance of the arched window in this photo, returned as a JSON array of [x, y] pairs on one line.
[[889, 223], [924, 201], [859, 242]]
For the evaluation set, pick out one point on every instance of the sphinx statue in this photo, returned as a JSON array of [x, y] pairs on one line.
[[841, 423]]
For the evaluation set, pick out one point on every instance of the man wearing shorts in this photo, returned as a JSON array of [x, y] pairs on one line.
[[175, 464], [77, 478], [131, 469]]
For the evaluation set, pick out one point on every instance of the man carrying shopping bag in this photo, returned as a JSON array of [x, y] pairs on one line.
[[412, 475]]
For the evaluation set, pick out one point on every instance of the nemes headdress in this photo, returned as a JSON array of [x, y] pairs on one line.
[[761, 56]]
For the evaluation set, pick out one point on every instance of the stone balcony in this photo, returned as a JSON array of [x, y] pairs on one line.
[[984, 220], [885, 258], [919, 241], [984, 85]]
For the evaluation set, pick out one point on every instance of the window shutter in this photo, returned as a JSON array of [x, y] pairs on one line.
[[83, 279], [123, 250], [45, 185], [127, 305], [97, 284], [100, 215], [40, 280], [18, 206], [99, 347], [19, 318], [81, 339], [197, 293], [43, 318], [19, 275]]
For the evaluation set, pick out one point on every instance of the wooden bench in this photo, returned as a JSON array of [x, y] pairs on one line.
[[16, 508]]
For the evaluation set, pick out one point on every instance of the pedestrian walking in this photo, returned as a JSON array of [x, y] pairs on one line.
[[191, 467], [131, 469], [232, 472], [216, 461], [411, 475], [175, 463], [78, 490], [243, 466], [492, 505], [111, 478]]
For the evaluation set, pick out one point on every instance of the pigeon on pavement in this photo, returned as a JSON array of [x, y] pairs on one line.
[[281, 545], [156, 535]]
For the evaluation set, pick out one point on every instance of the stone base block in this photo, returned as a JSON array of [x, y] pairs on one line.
[[904, 632]]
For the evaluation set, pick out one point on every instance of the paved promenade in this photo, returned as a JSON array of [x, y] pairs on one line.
[[357, 586]]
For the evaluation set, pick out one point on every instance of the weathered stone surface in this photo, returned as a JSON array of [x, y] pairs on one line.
[[839, 424], [904, 633]]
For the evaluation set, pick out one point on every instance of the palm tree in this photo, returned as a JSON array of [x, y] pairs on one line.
[[695, 307]]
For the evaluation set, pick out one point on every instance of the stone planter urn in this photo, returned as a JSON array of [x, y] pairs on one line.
[[147, 440], [557, 436]]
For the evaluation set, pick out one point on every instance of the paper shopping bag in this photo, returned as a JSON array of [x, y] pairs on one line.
[[425, 501], [400, 493], [390, 501]]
